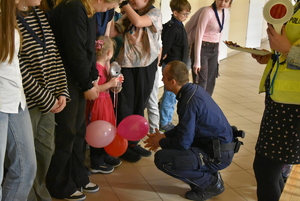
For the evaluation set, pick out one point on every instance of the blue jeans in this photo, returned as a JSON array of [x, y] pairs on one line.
[[167, 105], [17, 145]]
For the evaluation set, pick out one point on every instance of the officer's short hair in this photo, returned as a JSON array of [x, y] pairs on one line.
[[179, 72]]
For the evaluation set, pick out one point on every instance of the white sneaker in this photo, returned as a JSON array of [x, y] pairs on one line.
[[77, 196], [91, 188]]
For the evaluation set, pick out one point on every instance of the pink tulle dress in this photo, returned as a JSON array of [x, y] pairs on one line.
[[103, 108]]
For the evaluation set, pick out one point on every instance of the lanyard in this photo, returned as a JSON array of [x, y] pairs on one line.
[[102, 20], [217, 16], [32, 33]]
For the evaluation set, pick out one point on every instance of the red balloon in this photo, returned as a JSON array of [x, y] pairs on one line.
[[133, 127], [100, 133], [117, 147]]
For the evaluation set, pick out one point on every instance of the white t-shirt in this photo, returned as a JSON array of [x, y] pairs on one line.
[[11, 88]]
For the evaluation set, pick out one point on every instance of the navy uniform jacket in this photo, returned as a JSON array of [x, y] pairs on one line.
[[200, 121], [174, 42]]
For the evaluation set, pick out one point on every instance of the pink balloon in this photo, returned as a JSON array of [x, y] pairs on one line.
[[100, 133], [133, 127]]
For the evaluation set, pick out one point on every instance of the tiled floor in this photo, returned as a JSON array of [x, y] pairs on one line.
[[237, 94]]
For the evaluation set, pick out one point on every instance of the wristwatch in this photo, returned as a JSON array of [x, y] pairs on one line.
[[123, 3]]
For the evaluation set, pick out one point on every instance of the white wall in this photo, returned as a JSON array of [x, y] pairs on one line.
[[255, 23], [165, 10]]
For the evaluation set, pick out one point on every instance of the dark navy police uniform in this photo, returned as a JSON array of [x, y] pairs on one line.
[[187, 152]]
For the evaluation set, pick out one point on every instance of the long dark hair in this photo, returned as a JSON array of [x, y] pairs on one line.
[[127, 22]]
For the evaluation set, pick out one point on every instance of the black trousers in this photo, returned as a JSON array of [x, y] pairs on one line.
[[67, 171], [268, 174], [136, 90]]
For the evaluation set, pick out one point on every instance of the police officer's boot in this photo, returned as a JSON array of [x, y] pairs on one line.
[[198, 194], [217, 188]]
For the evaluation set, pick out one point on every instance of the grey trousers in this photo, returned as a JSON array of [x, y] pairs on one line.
[[209, 70], [43, 126]]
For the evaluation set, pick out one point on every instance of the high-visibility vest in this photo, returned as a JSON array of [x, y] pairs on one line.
[[284, 82]]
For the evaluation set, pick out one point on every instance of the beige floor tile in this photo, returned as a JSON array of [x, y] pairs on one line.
[[228, 195], [238, 121], [243, 152], [244, 162], [232, 168], [174, 198], [133, 191], [249, 193], [170, 187], [152, 173], [238, 179], [124, 173], [250, 147]]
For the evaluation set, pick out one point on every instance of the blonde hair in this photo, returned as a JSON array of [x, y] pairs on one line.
[[8, 24], [103, 44], [87, 5]]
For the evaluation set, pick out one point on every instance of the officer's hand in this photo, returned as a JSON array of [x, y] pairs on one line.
[[153, 140]]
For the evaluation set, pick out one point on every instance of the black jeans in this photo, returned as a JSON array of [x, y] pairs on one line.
[[67, 171], [136, 90]]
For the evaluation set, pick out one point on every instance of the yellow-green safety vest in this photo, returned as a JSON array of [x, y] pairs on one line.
[[284, 82]]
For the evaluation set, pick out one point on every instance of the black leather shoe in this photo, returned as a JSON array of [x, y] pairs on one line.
[[198, 194], [217, 188]]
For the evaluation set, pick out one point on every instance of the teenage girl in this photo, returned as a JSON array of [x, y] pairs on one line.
[[16, 137], [209, 22], [45, 86], [102, 108], [74, 28]]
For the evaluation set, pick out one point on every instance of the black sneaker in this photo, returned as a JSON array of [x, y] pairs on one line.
[[131, 156], [103, 168], [140, 150], [91, 188], [115, 162], [77, 196]]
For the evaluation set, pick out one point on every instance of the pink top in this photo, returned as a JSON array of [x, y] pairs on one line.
[[207, 29], [103, 75]]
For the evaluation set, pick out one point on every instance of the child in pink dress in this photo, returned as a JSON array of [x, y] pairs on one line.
[[102, 107]]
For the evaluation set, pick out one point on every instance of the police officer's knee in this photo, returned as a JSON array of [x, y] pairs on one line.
[[159, 159]]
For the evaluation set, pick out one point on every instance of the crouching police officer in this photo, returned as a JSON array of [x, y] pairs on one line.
[[201, 144]]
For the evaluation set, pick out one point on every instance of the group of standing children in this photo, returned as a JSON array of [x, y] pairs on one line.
[[56, 71]]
